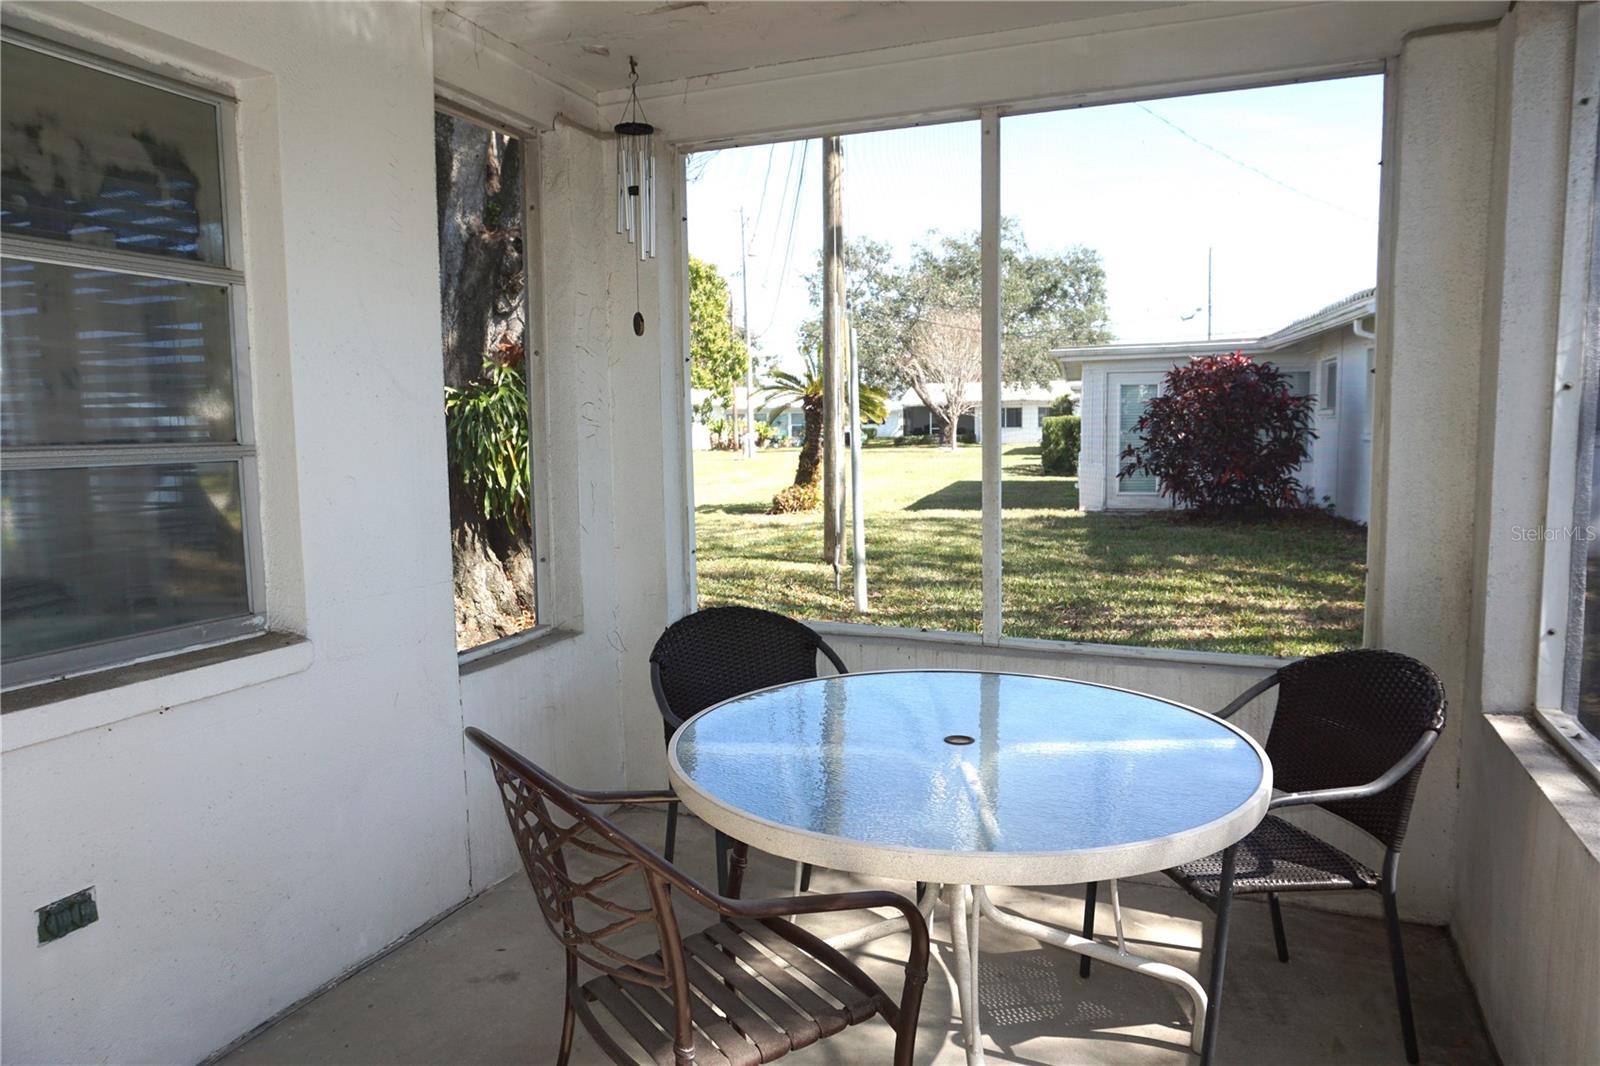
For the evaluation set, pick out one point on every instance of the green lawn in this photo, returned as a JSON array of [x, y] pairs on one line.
[[1286, 588]]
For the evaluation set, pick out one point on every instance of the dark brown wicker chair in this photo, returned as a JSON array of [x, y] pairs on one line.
[[748, 988], [717, 654], [1343, 718]]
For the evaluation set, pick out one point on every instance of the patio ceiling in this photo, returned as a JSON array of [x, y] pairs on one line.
[[585, 45]]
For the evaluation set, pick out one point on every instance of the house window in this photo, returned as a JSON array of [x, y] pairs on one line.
[[490, 372], [127, 497], [1328, 400], [1299, 382], [1011, 418]]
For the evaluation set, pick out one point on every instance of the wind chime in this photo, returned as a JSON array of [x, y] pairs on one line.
[[636, 183]]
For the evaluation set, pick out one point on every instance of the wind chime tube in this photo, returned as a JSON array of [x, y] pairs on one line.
[[647, 206], [622, 186]]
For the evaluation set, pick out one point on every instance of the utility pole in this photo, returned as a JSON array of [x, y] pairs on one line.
[[858, 519], [749, 356], [1208, 294], [833, 346]]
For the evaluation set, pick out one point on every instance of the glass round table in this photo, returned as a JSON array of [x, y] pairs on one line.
[[961, 779]]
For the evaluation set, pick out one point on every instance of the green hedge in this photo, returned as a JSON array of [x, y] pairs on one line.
[[1062, 434]]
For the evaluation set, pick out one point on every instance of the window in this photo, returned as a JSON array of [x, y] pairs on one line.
[[910, 266], [1130, 237], [127, 496], [489, 372], [1328, 400], [1180, 230]]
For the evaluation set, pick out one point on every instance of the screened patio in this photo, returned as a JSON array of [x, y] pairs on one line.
[[243, 639]]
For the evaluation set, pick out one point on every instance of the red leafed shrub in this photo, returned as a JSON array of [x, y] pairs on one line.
[[1225, 437]]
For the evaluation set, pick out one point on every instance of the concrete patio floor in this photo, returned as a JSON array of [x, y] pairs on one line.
[[484, 986]]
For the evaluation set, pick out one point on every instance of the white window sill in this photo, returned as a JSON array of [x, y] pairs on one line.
[[486, 655], [1573, 740], [1046, 648], [52, 709]]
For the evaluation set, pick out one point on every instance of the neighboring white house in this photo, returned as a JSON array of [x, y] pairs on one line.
[[1021, 411], [1328, 355]]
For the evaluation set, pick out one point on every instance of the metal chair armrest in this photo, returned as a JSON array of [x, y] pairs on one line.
[[1249, 694], [916, 968], [1391, 777], [661, 697], [660, 795]]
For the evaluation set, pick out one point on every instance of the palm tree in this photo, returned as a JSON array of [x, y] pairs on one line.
[[807, 389]]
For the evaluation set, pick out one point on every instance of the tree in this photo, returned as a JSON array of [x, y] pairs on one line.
[[806, 388], [1047, 301], [482, 327], [717, 355], [1225, 437], [943, 359]]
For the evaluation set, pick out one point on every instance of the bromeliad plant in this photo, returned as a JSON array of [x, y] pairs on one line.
[[1225, 437], [486, 423]]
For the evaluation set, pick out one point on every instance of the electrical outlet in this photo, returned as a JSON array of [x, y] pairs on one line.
[[64, 916]]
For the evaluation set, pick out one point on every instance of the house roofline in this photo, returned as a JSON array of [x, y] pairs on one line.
[[1336, 315]]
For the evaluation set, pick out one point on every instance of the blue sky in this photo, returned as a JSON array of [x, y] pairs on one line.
[[1284, 191]]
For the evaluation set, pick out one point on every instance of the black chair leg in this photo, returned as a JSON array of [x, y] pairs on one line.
[[672, 831], [805, 877], [1277, 927], [724, 842], [1402, 988], [1219, 956], [1088, 924], [737, 856]]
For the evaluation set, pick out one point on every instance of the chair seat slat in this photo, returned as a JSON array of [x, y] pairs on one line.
[[790, 1027]]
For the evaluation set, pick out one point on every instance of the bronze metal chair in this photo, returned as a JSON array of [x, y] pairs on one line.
[[748, 988]]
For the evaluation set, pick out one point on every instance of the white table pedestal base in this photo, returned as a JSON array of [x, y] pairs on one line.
[[968, 905]]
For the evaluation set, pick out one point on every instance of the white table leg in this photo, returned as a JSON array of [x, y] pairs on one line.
[[1104, 953], [962, 905]]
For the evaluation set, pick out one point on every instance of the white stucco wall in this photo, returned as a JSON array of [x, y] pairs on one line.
[[247, 847], [1527, 908]]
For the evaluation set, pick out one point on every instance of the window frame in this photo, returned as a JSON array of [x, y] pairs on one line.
[[1574, 424], [1005, 417], [171, 640], [544, 598], [1328, 396]]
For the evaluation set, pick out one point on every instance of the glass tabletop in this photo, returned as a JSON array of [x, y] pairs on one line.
[[968, 762]]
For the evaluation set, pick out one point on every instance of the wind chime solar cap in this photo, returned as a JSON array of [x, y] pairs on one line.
[[634, 129]]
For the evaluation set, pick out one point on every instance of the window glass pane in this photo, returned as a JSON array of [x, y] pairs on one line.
[[1187, 243], [97, 357], [484, 327], [109, 162], [1131, 402], [97, 554], [1587, 548], [909, 208], [1330, 386]]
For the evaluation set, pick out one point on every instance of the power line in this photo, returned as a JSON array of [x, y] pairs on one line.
[[788, 252], [761, 205], [1253, 169]]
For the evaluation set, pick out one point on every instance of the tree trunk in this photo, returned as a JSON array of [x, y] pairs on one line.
[[479, 185], [809, 470]]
